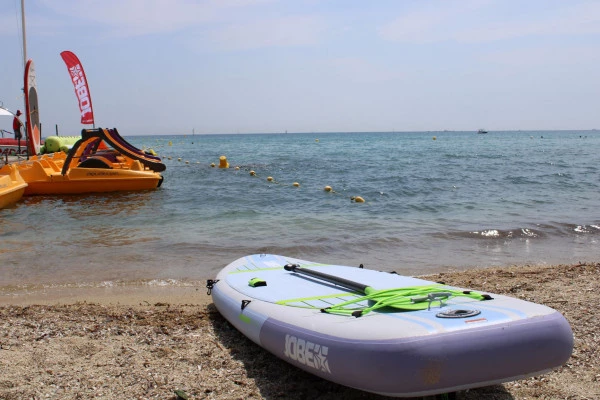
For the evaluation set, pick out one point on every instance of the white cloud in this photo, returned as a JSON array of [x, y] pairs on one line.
[[228, 24], [358, 70], [479, 22], [302, 30], [434, 21], [142, 17], [577, 19], [546, 57]]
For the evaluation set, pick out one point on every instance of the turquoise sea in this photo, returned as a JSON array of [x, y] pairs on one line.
[[433, 201]]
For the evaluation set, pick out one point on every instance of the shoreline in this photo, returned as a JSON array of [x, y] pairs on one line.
[[148, 340], [119, 293]]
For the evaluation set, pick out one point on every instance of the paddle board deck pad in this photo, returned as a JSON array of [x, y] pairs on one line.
[[449, 343]]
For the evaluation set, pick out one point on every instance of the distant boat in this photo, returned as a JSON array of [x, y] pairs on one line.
[[482, 131]]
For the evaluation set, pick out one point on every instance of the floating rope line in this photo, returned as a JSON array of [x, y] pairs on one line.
[[224, 164]]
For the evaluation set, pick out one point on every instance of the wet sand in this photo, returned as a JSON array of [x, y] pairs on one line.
[[147, 341]]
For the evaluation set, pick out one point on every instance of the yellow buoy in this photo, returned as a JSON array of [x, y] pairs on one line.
[[252, 173], [317, 140], [328, 188], [223, 162], [237, 168], [359, 199], [270, 178], [170, 143], [296, 184], [187, 162], [434, 138], [179, 159], [212, 164]]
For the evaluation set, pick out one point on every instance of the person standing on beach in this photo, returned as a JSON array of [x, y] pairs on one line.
[[17, 129], [17, 126]]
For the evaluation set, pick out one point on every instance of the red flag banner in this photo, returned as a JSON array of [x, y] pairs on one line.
[[82, 90]]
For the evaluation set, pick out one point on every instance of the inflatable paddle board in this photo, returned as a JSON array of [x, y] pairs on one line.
[[32, 112], [385, 333]]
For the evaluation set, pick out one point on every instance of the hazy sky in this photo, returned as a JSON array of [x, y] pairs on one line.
[[227, 66]]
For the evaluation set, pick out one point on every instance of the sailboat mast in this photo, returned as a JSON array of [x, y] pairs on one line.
[[23, 29], [26, 109]]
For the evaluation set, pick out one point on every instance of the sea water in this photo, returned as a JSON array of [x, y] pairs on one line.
[[433, 201]]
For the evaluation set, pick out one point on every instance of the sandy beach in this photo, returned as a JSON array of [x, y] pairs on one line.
[[146, 342]]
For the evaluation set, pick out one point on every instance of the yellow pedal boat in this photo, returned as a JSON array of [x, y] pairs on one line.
[[86, 169], [12, 185]]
